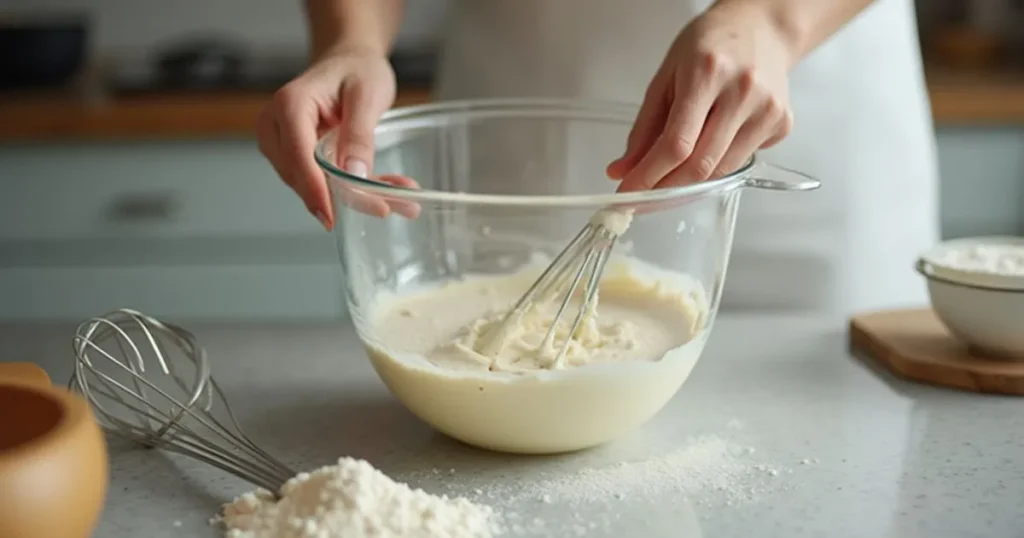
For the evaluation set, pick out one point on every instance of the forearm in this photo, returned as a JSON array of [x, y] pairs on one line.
[[355, 24], [803, 24]]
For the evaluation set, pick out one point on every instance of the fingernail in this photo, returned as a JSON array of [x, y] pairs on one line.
[[356, 167], [323, 219]]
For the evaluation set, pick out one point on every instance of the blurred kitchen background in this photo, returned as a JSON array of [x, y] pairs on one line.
[[129, 175]]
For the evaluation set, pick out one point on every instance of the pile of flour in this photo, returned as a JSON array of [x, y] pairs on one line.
[[354, 500]]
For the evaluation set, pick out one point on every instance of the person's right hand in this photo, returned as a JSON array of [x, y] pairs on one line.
[[348, 89]]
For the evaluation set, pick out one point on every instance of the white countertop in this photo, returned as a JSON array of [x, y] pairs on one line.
[[857, 453]]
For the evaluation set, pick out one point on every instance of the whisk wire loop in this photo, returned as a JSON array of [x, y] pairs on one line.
[[583, 260], [185, 425]]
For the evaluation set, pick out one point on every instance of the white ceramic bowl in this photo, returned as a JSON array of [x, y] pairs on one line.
[[981, 307]]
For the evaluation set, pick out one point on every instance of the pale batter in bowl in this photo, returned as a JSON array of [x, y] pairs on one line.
[[627, 362]]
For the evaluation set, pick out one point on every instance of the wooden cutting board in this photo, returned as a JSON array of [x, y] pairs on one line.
[[915, 345]]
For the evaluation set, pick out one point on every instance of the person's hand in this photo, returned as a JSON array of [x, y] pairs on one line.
[[720, 94], [349, 89]]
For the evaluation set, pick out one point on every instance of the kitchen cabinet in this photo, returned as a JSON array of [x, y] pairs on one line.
[[144, 190], [982, 180], [196, 230], [204, 229]]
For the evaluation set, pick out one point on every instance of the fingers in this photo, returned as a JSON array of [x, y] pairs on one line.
[[288, 132], [705, 139], [782, 130], [691, 103], [348, 91], [650, 121], [361, 109], [765, 128], [287, 136], [363, 202], [725, 120], [268, 137], [406, 208], [371, 204]]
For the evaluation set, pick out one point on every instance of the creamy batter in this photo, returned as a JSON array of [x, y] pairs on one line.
[[636, 321], [625, 362]]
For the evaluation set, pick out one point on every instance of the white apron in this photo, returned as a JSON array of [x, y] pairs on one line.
[[862, 126]]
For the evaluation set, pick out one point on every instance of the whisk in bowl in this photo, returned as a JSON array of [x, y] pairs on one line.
[[114, 372], [582, 261]]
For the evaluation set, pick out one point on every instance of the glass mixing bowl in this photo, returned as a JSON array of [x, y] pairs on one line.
[[503, 184]]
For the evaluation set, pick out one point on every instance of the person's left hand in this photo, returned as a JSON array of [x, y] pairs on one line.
[[720, 94]]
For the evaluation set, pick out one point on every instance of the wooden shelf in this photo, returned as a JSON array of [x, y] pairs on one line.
[[981, 97], [153, 116], [958, 98]]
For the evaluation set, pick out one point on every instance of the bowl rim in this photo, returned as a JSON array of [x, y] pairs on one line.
[[406, 117], [959, 284], [928, 266]]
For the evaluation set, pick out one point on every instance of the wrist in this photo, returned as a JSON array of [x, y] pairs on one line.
[[780, 20], [334, 36], [350, 47], [366, 26]]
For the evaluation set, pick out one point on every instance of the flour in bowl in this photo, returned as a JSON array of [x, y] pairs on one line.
[[994, 259], [354, 500]]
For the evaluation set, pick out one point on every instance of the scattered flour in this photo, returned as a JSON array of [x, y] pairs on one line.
[[705, 467], [1002, 260], [734, 424], [354, 500], [705, 470], [707, 464]]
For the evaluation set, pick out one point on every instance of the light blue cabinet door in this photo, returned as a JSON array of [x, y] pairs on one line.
[[199, 230], [982, 174], [303, 292], [158, 190]]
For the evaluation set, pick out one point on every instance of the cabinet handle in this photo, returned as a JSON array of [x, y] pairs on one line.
[[142, 207]]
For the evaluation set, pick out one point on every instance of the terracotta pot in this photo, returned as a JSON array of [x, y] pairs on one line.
[[53, 458]]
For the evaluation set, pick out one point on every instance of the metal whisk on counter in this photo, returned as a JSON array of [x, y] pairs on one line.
[[115, 372], [582, 260]]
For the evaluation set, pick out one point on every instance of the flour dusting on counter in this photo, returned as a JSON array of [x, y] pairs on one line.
[[706, 464], [706, 468], [354, 500]]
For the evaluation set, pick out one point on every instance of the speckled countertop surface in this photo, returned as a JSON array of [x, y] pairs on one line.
[[831, 446]]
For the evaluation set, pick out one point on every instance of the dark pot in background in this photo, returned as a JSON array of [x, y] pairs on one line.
[[42, 50]]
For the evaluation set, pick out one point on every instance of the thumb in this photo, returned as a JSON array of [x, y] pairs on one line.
[[361, 109]]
